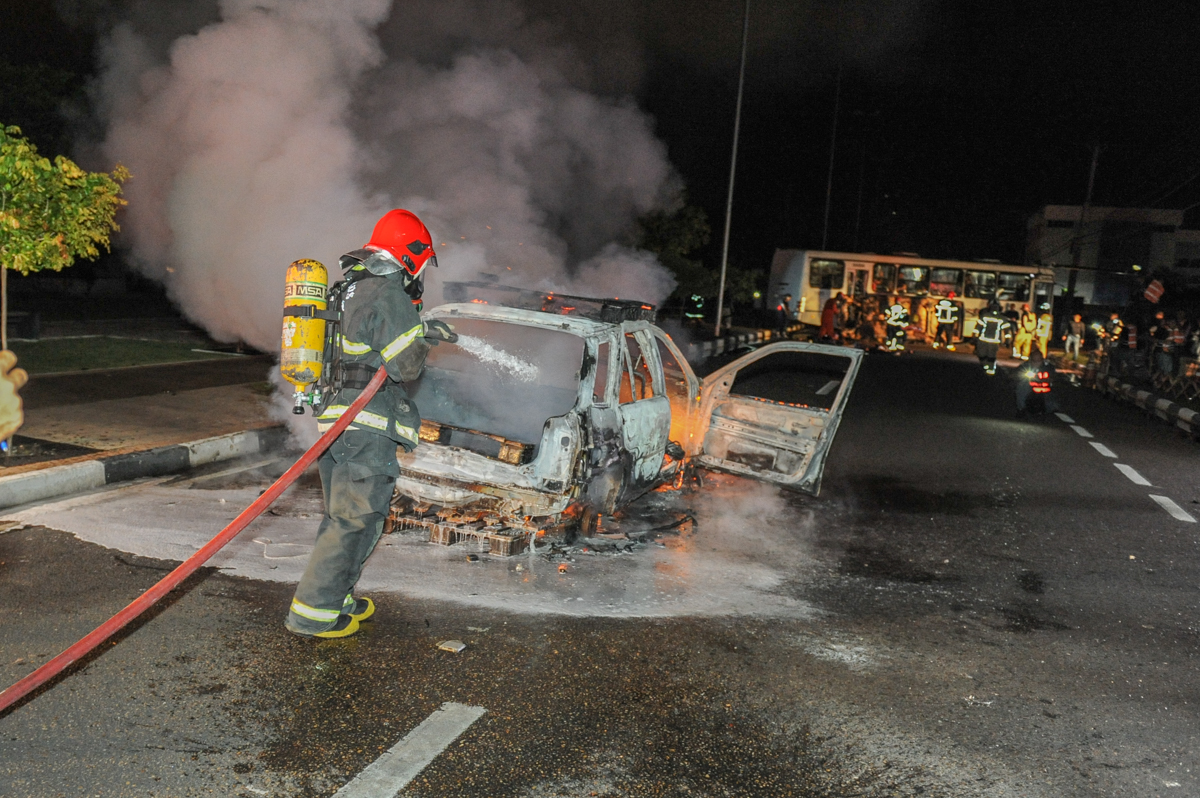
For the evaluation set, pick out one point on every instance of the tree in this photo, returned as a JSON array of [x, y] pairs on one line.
[[50, 212], [672, 237]]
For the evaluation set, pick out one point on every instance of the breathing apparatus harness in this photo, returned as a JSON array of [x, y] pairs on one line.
[[337, 374]]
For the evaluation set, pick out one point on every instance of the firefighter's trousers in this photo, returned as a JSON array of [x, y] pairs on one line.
[[358, 476], [1022, 343], [1043, 345]]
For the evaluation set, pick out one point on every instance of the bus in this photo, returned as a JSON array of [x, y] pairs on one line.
[[876, 281]]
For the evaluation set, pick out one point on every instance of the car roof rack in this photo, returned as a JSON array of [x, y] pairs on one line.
[[607, 310]]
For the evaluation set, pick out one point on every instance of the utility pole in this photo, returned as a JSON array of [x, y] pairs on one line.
[[1076, 244], [737, 124], [837, 98]]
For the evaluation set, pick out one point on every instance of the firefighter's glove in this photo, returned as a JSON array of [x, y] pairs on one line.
[[437, 330]]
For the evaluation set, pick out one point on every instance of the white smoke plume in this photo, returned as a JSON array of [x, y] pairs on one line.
[[285, 128]]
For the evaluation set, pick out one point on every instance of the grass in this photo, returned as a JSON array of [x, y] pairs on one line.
[[52, 355]]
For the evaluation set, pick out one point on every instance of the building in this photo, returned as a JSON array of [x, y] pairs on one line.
[[1118, 248]]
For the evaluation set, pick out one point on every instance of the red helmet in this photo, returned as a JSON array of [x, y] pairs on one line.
[[406, 239]]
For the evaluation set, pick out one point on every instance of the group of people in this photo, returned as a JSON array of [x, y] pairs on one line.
[[1168, 339]]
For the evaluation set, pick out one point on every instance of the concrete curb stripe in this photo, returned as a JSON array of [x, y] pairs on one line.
[[50, 482], [391, 773], [1177, 512], [1182, 417]]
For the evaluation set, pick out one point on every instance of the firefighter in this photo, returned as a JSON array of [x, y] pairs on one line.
[[1023, 340], [380, 328], [896, 319], [1113, 330], [695, 310], [947, 322], [1033, 387], [989, 332], [11, 380], [1044, 329]]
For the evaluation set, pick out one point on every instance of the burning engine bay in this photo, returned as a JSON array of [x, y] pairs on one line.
[[540, 425]]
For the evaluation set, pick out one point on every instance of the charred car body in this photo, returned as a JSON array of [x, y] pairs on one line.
[[552, 411]]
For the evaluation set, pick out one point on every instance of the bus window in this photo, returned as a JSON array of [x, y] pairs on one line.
[[826, 274], [884, 279], [980, 285], [943, 282], [1013, 287], [913, 280]]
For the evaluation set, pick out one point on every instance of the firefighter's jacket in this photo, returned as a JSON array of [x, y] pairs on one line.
[[947, 312], [380, 328], [897, 316], [1045, 325], [990, 327]]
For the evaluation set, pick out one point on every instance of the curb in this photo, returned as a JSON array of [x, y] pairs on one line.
[[729, 343], [1182, 417], [48, 483]]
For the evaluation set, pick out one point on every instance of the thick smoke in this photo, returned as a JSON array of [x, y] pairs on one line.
[[285, 128]]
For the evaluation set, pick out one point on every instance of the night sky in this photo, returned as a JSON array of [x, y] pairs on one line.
[[957, 119]]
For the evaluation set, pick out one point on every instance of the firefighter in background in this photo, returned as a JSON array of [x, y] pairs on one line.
[[897, 320], [694, 310], [1113, 329], [1033, 387], [946, 311], [380, 328], [1044, 329], [11, 380], [1023, 340], [989, 333]]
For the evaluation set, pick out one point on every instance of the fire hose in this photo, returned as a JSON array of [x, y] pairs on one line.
[[168, 583]]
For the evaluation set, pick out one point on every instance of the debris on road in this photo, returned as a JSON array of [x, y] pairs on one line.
[[453, 646]]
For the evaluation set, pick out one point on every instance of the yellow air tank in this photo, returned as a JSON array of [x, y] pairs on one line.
[[302, 357]]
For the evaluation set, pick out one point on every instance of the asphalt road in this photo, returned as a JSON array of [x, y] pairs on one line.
[[975, 605]]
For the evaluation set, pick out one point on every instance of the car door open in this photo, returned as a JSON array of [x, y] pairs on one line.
[[772, 414]]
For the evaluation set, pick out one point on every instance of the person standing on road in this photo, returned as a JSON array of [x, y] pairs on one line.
[[783, 316], [1044, 329], [1074, 335], [1023, 340], [947, 322], [897, 327], [380, 328], [989, 332], [829, 317], [1033, 387]]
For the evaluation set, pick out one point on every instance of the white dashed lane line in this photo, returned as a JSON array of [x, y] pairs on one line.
[[1132, 474], [1177, 512], [1165, 502], [392, 772]]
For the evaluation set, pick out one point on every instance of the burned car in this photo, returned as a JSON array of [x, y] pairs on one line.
[[552, 411]]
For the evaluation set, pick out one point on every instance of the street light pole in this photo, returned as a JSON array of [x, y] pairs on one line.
[[837, 98], [737, 124]]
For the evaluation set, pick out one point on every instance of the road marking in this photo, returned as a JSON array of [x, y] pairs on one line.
[[828, 387], [1064, 418], [1174, 509], [391, 773], [1104, 450], [1134, 476], [1080, 431]]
